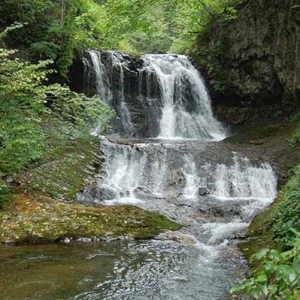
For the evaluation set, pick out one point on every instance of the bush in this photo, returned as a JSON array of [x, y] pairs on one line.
[[287, 211], [278, 276], [4, 195], [26, 101]]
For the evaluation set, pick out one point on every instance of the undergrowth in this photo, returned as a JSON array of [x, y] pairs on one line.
[[278, 274]]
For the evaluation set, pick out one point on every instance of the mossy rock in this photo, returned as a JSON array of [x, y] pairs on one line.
[[271, 228], [38, 218], [63, 174]]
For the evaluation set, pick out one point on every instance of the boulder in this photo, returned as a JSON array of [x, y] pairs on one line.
[[203, 191]]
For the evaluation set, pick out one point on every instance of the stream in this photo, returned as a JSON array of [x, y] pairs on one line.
[[166, 155]]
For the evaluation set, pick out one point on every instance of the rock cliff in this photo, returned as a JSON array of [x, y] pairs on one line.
[[253, 61]]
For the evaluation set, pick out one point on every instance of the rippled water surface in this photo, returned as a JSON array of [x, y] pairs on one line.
[[116, 270]]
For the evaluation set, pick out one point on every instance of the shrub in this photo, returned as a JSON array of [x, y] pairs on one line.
[[26, 100], [278, 276]]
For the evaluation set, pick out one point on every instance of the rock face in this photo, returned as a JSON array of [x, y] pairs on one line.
[[115, 77], [254, 60]]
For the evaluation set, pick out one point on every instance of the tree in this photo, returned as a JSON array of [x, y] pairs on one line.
[[27, 102]]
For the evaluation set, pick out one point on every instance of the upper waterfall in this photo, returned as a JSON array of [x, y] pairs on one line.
[[159, 95], [186, 108]]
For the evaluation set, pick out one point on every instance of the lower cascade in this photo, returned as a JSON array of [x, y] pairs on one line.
[[213, 192], [176, 168]]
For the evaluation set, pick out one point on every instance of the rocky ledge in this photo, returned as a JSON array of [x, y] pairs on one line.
[[37, 218]]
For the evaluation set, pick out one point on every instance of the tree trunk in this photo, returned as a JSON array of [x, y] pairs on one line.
[[63, 8]]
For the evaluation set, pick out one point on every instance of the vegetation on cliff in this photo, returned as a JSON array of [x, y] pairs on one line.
[[26, 103], [278, 274], [58, 30]]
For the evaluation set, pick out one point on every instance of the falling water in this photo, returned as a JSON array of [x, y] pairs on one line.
[[186, 107], [106, 88], [165, 93], [164, 169], [211, 191], [243, 181]]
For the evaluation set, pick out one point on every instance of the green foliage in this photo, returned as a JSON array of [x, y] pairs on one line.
[[22, 101], [286, 211], [56, 31], [294, 121], [4, 195], [26, 100], [278, 276], [216, 59], [44, 50], [51, 31], [195, 16], [296, 137]]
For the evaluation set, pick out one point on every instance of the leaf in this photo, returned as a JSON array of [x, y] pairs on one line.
[[292, 276], [265, 290]]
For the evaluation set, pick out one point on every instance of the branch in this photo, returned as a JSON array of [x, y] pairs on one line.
[[207, 9]]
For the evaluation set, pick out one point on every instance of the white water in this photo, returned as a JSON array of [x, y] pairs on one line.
[[165, 176], [244, 181], [161, 170], [193, 181], [130, 167], [153, 176], [181, 83], [173, 96], [217, 231], [102, 79], [105, 86]]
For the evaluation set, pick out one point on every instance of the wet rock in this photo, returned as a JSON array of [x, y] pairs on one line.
[[97, 193], [254, 61], [238, 235], [66, 241], [84, 240], [66, 221], [5, 217], [143, 190], [177, 237], [203, 191], [224, 211], [257, 142]]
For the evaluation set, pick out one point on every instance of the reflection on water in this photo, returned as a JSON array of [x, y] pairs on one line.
[[117, 270]]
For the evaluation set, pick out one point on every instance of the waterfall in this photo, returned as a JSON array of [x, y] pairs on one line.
[[163, 170], [243, 181], [160, 96], [106, 87], [186, 107], [213, 192]]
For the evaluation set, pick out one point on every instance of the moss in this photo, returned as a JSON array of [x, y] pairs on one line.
[[38, 218], [257, 133], [271, 228], [284, 214], [66, 169], [5, 195]]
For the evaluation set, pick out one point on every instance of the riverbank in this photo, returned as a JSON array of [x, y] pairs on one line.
[[272, 142]]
